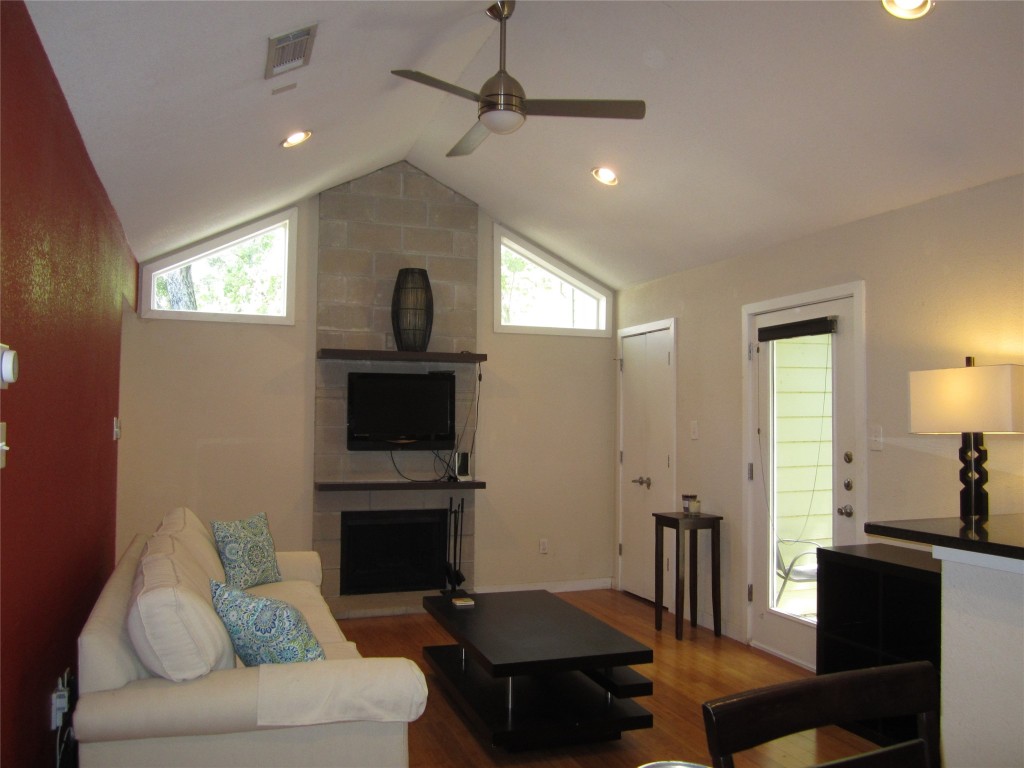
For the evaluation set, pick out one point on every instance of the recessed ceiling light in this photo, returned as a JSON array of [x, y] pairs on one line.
[[605, 176], [296, 138], [907, 9]]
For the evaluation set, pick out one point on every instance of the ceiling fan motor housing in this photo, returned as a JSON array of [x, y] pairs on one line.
[[502, 93]]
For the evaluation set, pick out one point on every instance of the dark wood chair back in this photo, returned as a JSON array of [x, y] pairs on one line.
[[745, 720]]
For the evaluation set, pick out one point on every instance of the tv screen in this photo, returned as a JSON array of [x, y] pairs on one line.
[[401, 411]]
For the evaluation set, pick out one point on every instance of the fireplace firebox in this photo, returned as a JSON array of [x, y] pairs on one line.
[[393, 550]]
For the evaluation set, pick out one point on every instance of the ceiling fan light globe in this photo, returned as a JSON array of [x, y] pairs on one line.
[[907, 9], [500, 120]]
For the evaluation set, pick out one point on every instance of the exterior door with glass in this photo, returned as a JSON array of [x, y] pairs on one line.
[[807, 471]]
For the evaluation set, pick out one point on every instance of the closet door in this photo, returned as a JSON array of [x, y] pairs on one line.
[[647, 406]]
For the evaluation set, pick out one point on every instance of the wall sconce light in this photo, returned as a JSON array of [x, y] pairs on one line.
[[970, 400]]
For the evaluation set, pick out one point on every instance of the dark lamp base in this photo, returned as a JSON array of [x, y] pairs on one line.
[[973, 476]]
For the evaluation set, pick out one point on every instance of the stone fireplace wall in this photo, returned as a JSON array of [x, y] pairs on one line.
[[369, 229]]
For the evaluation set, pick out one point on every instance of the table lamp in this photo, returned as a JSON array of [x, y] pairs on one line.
[[972, 401]]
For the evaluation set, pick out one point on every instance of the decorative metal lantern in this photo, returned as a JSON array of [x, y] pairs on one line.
[[412, 310]]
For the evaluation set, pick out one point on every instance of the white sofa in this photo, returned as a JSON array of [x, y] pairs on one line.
[[342, 711]]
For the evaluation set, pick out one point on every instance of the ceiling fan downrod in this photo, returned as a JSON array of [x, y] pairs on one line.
[[502, 98]]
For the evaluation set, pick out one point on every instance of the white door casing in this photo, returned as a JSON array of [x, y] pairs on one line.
[[647, 439]]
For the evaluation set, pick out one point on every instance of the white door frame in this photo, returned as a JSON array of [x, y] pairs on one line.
[[854, 291], [669, 324]]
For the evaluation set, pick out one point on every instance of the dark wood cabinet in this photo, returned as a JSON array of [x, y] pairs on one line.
[[878, 604]]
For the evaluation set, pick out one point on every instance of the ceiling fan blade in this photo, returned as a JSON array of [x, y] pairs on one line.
[[433, 82], [473, 138], [622, 110]]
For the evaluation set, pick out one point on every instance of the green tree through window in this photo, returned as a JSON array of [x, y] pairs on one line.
[[541, 293], [245, 275]]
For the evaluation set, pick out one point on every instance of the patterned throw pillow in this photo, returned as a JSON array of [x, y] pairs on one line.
[[264, 630], [247, 551]]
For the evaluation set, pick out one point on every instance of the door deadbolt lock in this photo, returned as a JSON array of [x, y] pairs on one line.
[[845, 511], [848, 484], [642, 481], [848, 457]]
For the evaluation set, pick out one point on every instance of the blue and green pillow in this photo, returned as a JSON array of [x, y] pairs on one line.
[[264, 630], [246, 551]]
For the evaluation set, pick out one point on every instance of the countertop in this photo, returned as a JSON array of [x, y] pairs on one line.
[[1002, 535]]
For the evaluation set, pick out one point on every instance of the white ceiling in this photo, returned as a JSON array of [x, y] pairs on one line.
[[766, 121]]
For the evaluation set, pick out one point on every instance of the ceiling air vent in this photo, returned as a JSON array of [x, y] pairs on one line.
[[288, 52]]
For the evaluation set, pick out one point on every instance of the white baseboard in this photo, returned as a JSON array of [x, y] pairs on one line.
[[781, 655], [550, 586]]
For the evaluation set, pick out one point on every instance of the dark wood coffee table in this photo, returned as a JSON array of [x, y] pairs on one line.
[[530, 670]]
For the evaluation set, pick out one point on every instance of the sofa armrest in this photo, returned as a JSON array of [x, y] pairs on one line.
[[303, 565], [230, 700], [220, 702], [375, 689]]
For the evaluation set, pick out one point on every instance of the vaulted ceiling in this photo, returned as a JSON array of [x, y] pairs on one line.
[[766, 121]]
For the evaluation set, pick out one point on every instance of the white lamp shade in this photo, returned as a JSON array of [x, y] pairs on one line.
[[984, 398]]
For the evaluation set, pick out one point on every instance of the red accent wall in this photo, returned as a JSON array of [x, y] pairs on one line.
[[65, 272]]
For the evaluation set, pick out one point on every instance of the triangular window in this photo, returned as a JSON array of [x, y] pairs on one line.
[[536, 292], [246, 275]]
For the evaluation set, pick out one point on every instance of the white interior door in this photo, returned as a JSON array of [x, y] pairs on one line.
[[808, 479], [647, 398]]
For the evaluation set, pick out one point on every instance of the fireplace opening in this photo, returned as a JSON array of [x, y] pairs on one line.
[[393, 550]]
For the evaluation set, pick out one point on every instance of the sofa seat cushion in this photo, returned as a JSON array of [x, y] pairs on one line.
[[264, 630], [171, 621]]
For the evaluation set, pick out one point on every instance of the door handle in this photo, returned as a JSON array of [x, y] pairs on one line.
[[642, 481], [845, 510]]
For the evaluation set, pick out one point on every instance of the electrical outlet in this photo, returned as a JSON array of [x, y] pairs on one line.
[[59, 701], [58, 706], [543, 546]]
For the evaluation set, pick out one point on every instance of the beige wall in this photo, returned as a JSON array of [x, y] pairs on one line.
[[943, 279], [546, 450], [209, 424], [218, 417]]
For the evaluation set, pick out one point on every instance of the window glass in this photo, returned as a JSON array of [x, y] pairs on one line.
[[539, 293], [243, 276]]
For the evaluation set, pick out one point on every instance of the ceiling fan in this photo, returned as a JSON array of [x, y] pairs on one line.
[[502, 103]]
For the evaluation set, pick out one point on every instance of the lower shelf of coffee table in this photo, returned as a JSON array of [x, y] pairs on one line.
[[549, 709]]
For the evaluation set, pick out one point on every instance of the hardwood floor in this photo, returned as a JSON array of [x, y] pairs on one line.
[[686, 673]]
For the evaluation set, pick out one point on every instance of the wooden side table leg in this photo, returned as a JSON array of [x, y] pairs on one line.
[[716, 577], [659, 573], [693, 577], [680, 582]]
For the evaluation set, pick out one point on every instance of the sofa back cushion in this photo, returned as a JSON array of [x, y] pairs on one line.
[[106, 657], [171, 620], [192, 534]]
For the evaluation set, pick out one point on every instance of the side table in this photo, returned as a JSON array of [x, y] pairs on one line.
[[692, 523]]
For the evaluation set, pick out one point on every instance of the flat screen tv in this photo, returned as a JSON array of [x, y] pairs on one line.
[[401, 411]]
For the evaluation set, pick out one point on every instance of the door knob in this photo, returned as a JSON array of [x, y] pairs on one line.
[[846, 510], [642, 481]]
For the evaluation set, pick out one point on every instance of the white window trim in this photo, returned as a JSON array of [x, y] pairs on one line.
[[151, 269], [558, 267]]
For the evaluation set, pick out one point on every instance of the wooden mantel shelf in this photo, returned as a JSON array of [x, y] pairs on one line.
[[395, 356], [401, 485]]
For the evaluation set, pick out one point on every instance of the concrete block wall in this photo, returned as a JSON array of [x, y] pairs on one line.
[[369, 229], [372, 227]]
